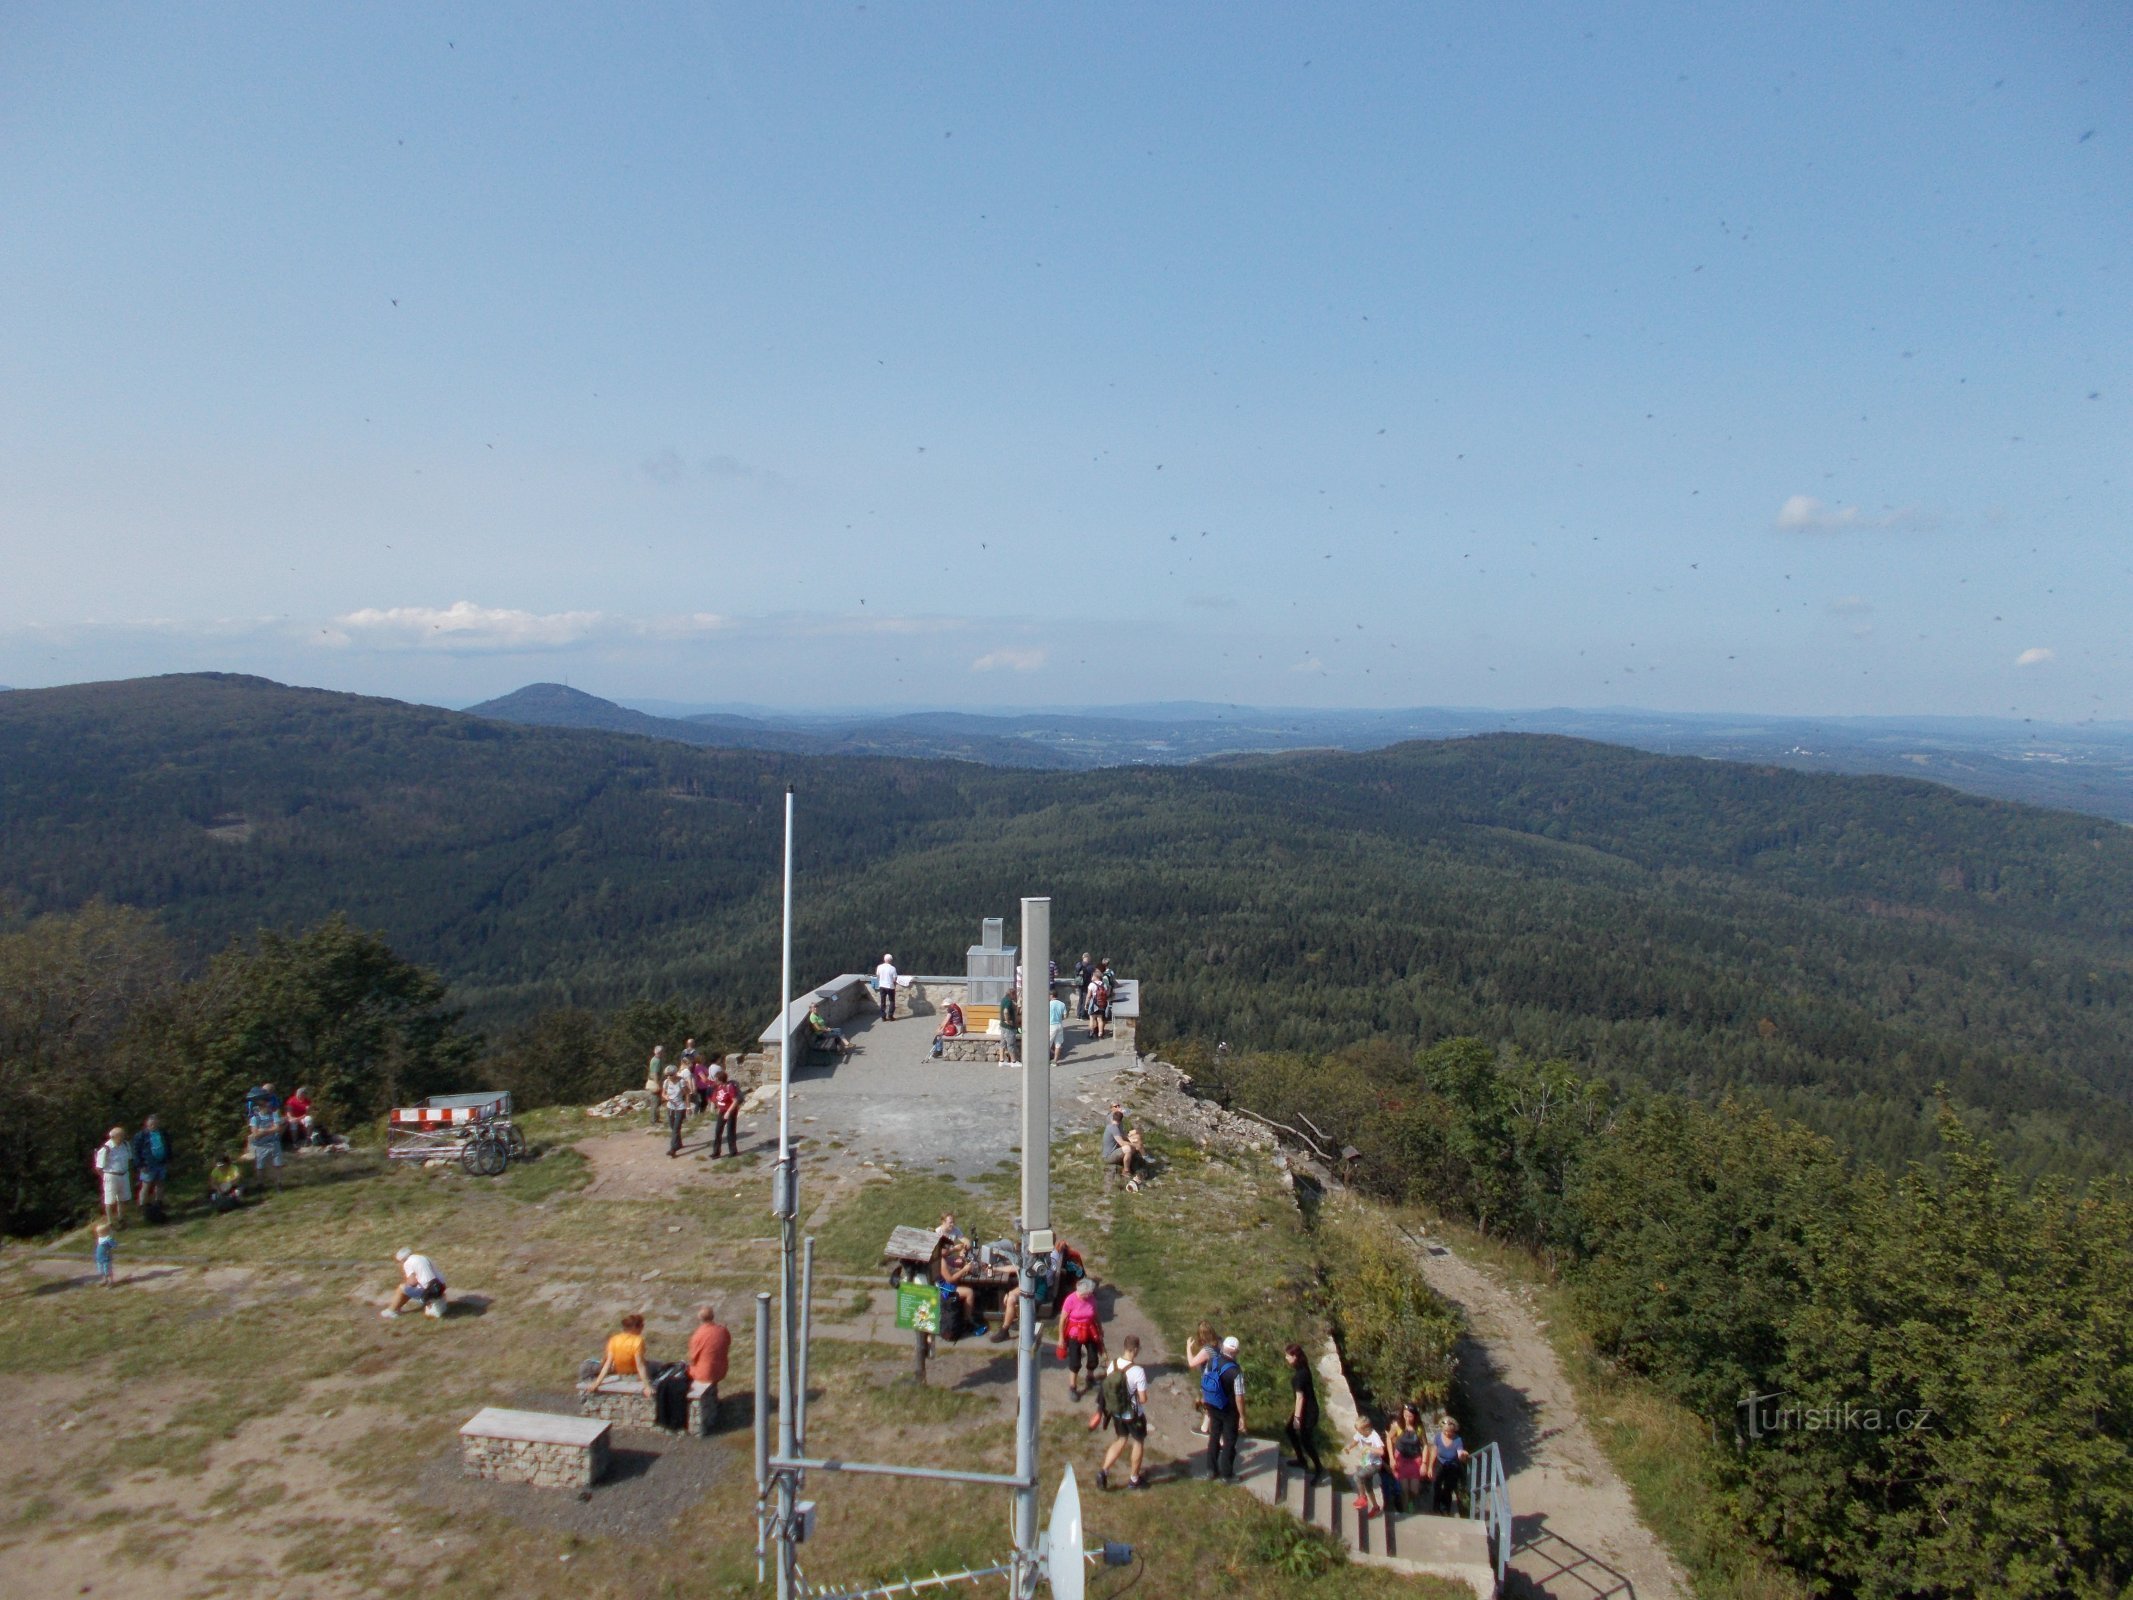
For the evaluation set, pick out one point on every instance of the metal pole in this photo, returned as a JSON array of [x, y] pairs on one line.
[[807, 1323], [1036, 1218], [762, 1420], [788, 1208]]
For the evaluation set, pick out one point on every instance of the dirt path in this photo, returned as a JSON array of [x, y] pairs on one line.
[[1578, 1534]]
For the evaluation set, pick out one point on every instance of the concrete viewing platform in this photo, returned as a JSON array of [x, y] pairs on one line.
[[890, 1100]]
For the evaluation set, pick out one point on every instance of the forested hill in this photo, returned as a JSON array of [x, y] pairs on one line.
[[1832, 946]]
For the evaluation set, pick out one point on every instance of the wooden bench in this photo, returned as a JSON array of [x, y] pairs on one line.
[[534, 1447], [624, 1401]]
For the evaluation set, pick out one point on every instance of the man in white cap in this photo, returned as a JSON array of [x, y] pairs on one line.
[[420, 1284], [1222, 1393], [885, 986]]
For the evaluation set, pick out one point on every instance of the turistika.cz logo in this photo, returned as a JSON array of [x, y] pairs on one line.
[[1778, 1412]]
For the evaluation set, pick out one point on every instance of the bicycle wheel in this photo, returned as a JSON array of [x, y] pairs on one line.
[[472, 1158]]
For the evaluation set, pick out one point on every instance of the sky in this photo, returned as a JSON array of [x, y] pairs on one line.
[[1765, 358]]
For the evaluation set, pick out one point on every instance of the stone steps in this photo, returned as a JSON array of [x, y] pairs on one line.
[[1445, 1547]]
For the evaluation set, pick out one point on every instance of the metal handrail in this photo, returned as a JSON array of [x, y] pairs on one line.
[[1488, 1502]]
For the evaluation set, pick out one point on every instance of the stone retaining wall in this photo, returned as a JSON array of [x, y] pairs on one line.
[[551, 1466]]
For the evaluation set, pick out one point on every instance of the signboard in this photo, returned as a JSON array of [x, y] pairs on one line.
[[918, 1307]]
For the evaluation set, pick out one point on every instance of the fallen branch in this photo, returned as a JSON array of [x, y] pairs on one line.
[[1299, 1137]]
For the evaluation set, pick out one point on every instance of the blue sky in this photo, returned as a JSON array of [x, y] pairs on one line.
[[1772, 360]]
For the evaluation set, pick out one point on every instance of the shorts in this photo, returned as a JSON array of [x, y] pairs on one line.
[[1130, 1427], [1059, 1038], [265, 1155], [425, 1292], [118, 1188], [155, 1175]]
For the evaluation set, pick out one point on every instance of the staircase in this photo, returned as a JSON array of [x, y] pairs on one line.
[[1458, 1548]]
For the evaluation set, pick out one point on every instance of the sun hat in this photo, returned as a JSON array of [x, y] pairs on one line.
[[1229, 1345]]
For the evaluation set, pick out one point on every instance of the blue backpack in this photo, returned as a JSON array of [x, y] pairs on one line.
[[1215, 1382]]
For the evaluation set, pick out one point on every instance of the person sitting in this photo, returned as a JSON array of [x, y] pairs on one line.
[[225, 1186], [296, 1117], [957, 1268], [1052, 1276], [709, 1348], [1120, 1151], [952, 1023], [948, 1230], [421, 1284], [625, 1357], [821, 1036]]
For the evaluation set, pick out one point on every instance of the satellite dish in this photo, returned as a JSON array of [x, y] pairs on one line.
[[1063, 1564]]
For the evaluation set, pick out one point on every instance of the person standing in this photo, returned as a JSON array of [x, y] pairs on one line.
[[106, 1247], [1367, 1451], [114, 1163], [726, 1107], [885, 981], [1406, 1441], [700, 1082], [151, 1164], [674, 1094], [1123, 1396], [1093, 1006], [1084, 970], [710, 1349], [655, 1080], [1222, 1392], [1081, 1336], [1447, 1466], [1010, 1029], [1200, 1345], [1055, 1014], [1301, 1430], [263, 1126]]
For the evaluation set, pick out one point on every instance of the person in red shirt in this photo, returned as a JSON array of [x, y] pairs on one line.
[[726, 1106], [297, 1112], [709, 1347]]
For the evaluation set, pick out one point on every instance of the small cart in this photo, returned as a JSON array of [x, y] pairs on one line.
[[475, 1129]]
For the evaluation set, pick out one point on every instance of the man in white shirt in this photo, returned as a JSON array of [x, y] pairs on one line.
[[114, 1161], [1124, 1393], [885, 986], [420, 1285]]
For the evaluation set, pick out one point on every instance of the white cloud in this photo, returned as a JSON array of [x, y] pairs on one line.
[[2036, 656], [1803, 513], [1009, 660], [1850, 605], [466, 628], [1309, 664]]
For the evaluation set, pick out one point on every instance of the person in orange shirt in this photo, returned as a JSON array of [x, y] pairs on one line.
[[709, 1347], [624, 1358]]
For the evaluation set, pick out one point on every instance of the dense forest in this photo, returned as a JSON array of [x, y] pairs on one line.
[[1832, 948], [1918, 1384]]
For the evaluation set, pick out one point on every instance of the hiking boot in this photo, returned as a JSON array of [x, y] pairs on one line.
[[1103, 1478], [1136, 1482]]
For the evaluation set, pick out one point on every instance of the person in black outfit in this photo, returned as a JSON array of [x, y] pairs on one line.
[[1301, 1430], [1084, 970], [1222, 1393]]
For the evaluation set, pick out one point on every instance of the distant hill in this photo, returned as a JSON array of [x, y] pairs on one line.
[[1831, 946], [2087, 768]]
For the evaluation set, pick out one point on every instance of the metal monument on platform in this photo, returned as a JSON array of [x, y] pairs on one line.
[[1055, 1556]]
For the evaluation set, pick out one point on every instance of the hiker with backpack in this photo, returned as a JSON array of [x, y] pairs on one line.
[[1122, 1400], [1222, 1393]]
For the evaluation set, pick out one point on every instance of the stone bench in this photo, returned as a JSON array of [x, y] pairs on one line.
[[534, 1447], [624, 1401]]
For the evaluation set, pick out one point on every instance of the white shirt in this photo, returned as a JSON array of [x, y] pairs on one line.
[[885, 976], [1136, 1389], [114, 1158], [419, 1270]]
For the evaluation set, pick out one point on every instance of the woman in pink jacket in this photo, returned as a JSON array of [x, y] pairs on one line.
[[1081, 1337]]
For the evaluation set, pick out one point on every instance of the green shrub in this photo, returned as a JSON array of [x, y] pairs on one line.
[[1399, 1336]]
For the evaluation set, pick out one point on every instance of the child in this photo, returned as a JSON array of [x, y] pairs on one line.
[[1368, 1449], [105, 1244]]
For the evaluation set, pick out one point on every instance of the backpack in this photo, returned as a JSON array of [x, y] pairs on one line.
[[1215, 1382], [1113, 1396]]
